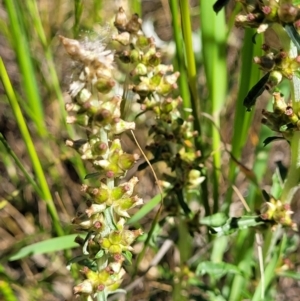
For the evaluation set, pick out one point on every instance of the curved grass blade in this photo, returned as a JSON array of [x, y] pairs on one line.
[[219, 4], [148, 207], [272, 139], [47, 246], [255, 92], [293, 34]]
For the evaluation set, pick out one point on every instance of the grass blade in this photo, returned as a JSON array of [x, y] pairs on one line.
[[47, 198]]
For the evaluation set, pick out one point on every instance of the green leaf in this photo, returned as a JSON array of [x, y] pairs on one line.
[[255, 92], [128, 256], [83, 261], [46, 246], [277, 180], [219, 4], [145, 210], [272, 139], [92, 175], [217, 269], [237, 223], [290, 274], [215, 220], [293, 34], [99, 254]]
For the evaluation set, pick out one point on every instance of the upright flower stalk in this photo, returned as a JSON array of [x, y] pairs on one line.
[[277, 64], [97, 106]]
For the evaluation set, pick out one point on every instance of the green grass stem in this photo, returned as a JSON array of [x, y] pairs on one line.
[[292, 182], [39, 172], [21, 166], [180, 60], [78, 9], [136, 7], [269, 274], [192, 81], [54, 82], [21, 47], [250, 74], [6, 291], [214, 31]]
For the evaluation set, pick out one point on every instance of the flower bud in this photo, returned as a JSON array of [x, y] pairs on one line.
[[115, 237], [99, 148], [125, 56], [85, 225], [98, 195], [292, 117], [82, 146], [122, 205], [95, 208], [143, 88], [195, 179], [105, 243], [85, 287], [102, 117], [81, 119], [266, 62], [149, 54], [168, 84], [140, 69], [121, 126], [126, 161], [118, 192], [104, 84], [142, 41], [287, 13], [279, 105], [134, 24], [83, 96], [120, 20], [116, 266], [155, 80], [115, 249], [135, 56], [129, 236], [123, 38], [155, 59], [72, 107], [73, 48], [274, 79]]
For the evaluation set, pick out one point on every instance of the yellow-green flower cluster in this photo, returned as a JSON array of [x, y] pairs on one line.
[[283, 119], [155, 84], [279, 64], [261, 14], [96, 106], [277, 212]]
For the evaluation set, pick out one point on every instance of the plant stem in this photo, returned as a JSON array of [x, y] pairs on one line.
[[192, 80], [183, 84], [292, 181], [37, 167], [214, 55], [21, 46]]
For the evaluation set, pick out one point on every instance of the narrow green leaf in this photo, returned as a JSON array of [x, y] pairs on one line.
[[272, 139], [214, 220], [47, 246], [290, 274], [293, 34], [217, 269], [219, 4], [255, 92], [6, 291], [145, 210]]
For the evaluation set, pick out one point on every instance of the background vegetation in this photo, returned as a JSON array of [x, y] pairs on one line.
[[40, 177]]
